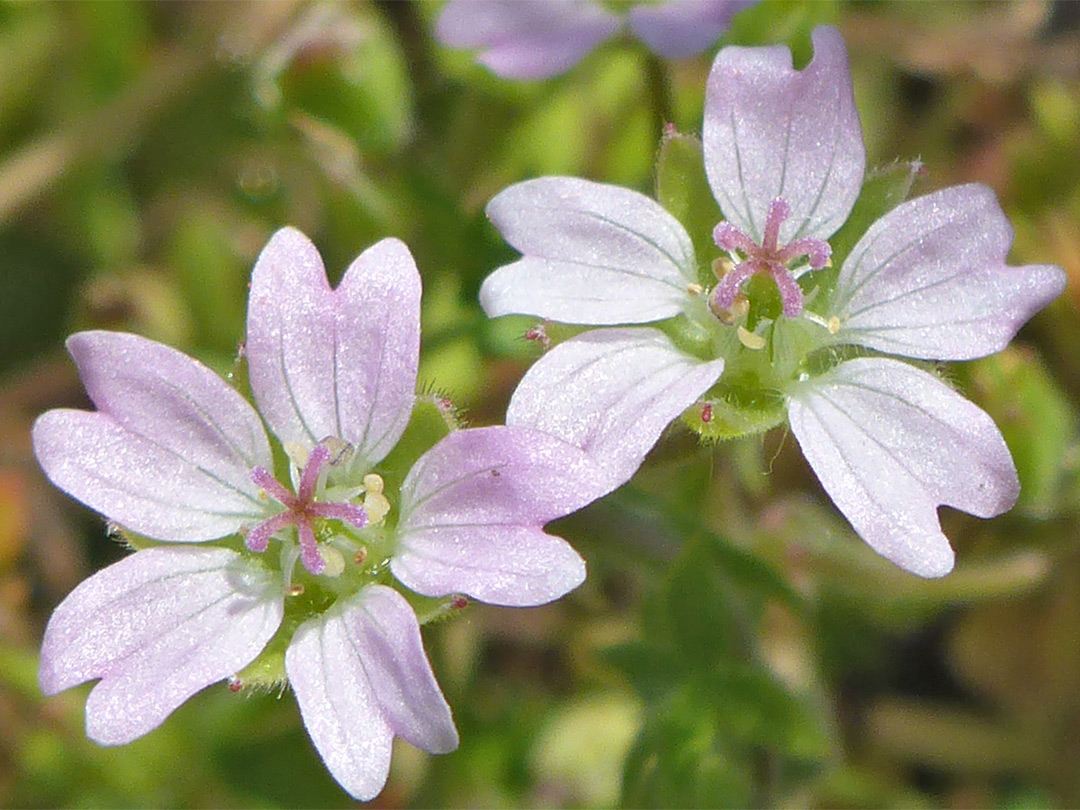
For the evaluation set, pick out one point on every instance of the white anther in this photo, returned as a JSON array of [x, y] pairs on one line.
[[377, 507], [750, 340], [335, 561]]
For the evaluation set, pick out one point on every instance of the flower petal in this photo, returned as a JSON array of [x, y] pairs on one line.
[[526, 39], [157, 627], [929, 280], [472, 508], [677, 29], [611, 392], [771, 132], [338, 362], [889, 443], [169, 452], [386, 637], [593, 253], [340, 710]]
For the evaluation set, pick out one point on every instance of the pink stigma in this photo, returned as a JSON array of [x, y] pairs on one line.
[[768, 257], [300, 510]]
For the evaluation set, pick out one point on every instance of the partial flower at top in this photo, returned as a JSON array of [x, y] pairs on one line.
[[176, 455], [784, 157], [537, 39]]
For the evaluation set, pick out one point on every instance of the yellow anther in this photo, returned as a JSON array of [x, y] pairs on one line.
[[295, 590], [722, 266], [297, 453], [373, 483], [749, 339], [834, 325], [335, 562], [361, 556], [377, 507], [263, 495], [694, 289], [828, 262]]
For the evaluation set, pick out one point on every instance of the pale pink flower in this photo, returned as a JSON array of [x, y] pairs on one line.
[[173, 453], [785, 160], [537, 39]]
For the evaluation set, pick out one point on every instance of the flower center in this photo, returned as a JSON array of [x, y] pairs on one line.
[[301, 509], [768, 257]]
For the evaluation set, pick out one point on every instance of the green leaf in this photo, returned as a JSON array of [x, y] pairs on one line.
[[679, 760], [650, 669], [361, 88], [751, 706], [700, 609], [683, 189]]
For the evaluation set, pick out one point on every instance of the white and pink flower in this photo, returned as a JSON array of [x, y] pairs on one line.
[[175, 454], [785, 160]]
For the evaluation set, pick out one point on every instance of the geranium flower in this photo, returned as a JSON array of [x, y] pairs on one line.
[[785, 160], [537, 39], [175, 454]]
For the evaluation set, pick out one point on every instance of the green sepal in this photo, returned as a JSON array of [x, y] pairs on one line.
[[883, 189], [731, 410], [683, 189], [430, 421], [267, 672], [132, 541], [430, 609]]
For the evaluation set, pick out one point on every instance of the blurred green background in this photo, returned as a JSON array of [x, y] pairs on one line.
[[735, 644]]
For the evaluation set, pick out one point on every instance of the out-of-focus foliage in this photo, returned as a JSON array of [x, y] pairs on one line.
[[734, 644]]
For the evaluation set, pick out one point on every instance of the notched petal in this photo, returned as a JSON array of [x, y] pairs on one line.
[[338, 363], [593, 253], [156, 628], [771, 132], [361, 676], [169, 451], [929, 280], [611, 392], [472, 511], [890, 443]]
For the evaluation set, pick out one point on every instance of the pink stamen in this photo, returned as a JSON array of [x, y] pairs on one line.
[[300, 510], [817, 251], [790, 292], [258, 538], [724, 293], [316, 460], [309, 548], [768, 257], [778, 212], [340, 511], [729, 237], [266, 481]]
